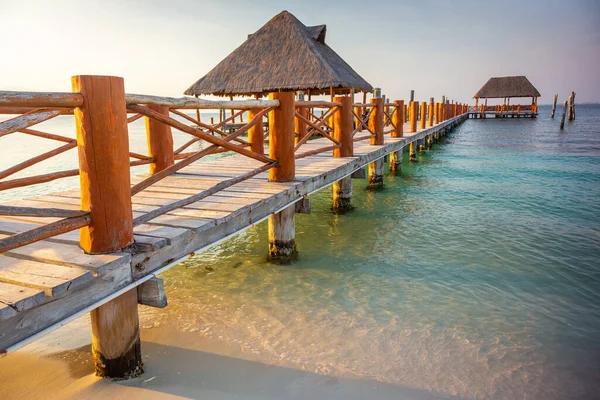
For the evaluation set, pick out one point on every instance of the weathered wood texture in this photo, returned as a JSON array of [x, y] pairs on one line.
[[342, 127], [160, 141], [103, 144], [281, 137], [152, 293]]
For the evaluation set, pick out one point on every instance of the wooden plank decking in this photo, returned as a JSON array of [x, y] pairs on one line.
[[47, 283]]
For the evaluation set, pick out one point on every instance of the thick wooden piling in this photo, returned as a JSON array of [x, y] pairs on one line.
[[282, 243], [116, 338], [396, 161], [431, 111], [103, 144], [342, 195], [256, 134], [413, 114], [376, 167], [423, 114], [398, 119], [282, 236], [412, 155], [160, 140], [343, 132], [437, 113]]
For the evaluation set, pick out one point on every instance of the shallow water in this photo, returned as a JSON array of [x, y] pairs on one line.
[[475, 273]]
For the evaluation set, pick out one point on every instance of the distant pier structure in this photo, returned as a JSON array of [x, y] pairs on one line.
[[506, 88]]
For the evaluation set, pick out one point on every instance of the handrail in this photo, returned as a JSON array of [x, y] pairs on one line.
[[40, 99], [194, 103]]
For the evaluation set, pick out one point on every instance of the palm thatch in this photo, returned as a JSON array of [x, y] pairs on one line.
[[507, 86], [282, 55]]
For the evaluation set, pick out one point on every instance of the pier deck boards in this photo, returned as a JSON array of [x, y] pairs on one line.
[[45, 284]]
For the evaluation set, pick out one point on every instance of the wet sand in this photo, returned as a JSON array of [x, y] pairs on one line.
[[177, 365]]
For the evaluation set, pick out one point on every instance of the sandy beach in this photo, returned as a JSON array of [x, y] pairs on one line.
[[178, 365]]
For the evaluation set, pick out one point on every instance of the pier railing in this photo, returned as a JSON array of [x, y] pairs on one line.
[[102, 112]]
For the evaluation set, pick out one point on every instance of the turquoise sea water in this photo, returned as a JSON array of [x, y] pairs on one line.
[[475, 273]]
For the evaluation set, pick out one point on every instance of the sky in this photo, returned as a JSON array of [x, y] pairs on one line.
[[433, 47]]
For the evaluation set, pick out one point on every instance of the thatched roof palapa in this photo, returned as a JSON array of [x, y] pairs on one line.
[[282, 55], [507, 86]]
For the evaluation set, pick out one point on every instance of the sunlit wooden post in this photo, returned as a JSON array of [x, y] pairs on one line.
[[299, 123], [431, 111], [282, 225], [256, 134], [160, 141], [103, 144], [414, 112], [411, 151], [398, 132], [342, 131], [375, 168], [423, 114]]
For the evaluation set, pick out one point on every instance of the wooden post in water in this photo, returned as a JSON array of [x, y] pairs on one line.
[[412, 156], [160, 141], [342, 131], [414, 112], [282, 225], [398, 120], [554, 104], [476, 105], [103, 144], [572, 106], [423, 114], [564, 113], [376, 126], [431, 111]]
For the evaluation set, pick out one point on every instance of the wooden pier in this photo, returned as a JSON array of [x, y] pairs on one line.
[[100, 248]]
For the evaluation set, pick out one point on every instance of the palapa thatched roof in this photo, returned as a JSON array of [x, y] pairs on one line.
[[507, 86], [282, 55]]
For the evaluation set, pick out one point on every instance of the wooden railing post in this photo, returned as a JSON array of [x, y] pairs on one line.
[[160, 140], [256, 134], [423, 114], [398, 132], [299, 123], [103, 144], [282, 225], [343, 132], [376, 126], [398, 119], [431, 111], [413, 115]]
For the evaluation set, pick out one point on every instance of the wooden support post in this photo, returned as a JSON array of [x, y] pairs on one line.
[[376, 121], [519, 111], [256, 134], [396, 161], [357, 121], [281, 137], [437, 113], [414, 110], [376, 169], [342, 131], [431, 111], [103, 143], [160, 141], [282, 243], [116, 338], [428, 141], [342, 195], [101, 124], [398, 119], [376, 126], [300, 124], [282, 235], [412, 96], [342, 127], [412, 156], [564, 113], [423, 114]]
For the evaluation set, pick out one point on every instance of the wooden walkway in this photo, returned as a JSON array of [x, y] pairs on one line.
[[46, 284]]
